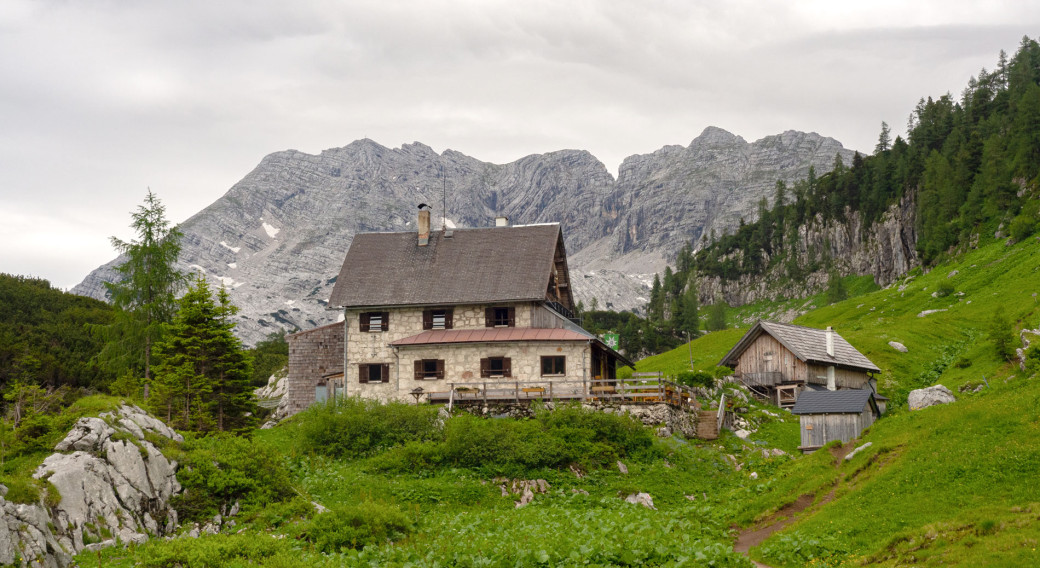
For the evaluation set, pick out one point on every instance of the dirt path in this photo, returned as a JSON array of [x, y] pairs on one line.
[[786, 515]]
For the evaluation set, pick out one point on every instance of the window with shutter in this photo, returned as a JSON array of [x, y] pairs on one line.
[[384, 370], [439, 318], [429, 369], [495, 367], [375, 321], [362, 372], [500, 317]]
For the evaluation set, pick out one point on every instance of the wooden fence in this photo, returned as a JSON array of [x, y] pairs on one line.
[[639, 389]]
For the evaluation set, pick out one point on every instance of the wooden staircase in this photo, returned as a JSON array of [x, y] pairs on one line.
[[707, 425]]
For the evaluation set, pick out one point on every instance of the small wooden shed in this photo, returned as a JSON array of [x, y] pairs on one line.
[[834, 415], [776, 361]]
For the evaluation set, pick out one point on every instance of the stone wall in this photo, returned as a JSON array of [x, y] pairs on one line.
[[462, 361], [313, 354]]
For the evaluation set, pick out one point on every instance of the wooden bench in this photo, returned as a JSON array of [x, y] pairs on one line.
[[529, 391]]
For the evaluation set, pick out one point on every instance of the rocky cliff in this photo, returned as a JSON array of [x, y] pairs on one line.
[[113, 485], [884, 249], [278, 237]]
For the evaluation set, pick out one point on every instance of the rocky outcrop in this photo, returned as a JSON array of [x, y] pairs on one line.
[[884, 249], [277, 238], [114, 486], [931, 396]]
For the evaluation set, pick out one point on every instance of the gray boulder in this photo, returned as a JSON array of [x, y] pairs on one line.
[[114, 485], [643, 499], [931, 396], [897, 346]]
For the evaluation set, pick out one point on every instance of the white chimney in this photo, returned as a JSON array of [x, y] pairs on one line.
[[502, 221], [830, 341]]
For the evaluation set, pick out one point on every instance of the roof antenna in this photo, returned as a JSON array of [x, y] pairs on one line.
[[444, 206]]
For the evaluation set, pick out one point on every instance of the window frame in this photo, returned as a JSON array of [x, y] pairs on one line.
[[506, 370], [365, 372], [365, 322], [500, 316], [423, 372], [561, 359], [430, 315]]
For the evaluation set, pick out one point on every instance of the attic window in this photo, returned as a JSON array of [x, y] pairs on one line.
[[375, 321], [500, 317], [439, 318]]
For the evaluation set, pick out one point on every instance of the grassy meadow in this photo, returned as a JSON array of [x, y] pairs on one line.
[[953, 484]]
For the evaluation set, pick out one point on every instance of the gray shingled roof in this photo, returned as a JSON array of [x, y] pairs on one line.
[[474, 266], [807, 343], [847, 401]]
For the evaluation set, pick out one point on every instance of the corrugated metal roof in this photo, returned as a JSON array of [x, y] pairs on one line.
[[474, 266], [847, 401], [491, 335], [807, 343]]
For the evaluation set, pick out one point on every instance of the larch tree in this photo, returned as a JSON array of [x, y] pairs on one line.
[[146, 294]]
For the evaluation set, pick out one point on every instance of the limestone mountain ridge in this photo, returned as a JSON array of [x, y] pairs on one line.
[[276, 239]]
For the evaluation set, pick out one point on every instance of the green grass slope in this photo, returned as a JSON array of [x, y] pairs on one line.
[[955, 484]]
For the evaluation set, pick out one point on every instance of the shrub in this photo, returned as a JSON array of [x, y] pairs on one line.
[[696, 379], [1021, 227], [218, 470], [351, 428], [357, 526], [944, 289]]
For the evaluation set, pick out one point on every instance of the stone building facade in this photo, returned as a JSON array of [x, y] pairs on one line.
[[437, 309]]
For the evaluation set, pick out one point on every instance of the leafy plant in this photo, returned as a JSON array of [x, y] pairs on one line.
[[357, 526]]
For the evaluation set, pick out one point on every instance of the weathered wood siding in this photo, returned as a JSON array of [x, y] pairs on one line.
[[843, 378], [818, 429], [313, 354], [767, 355]]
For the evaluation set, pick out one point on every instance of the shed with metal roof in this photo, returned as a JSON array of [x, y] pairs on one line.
[[834, 415]]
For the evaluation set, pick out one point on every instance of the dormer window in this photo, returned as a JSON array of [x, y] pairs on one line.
[[438, 318], [500, 317]]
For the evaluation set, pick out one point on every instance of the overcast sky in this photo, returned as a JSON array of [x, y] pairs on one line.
[[100, 100]]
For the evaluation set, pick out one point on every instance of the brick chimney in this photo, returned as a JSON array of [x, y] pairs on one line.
[[424, 226]]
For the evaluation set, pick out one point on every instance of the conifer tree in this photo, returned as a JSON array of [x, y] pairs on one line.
[[202, 375], [145, 296]]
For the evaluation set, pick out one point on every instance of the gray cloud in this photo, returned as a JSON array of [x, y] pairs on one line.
[[101, 100]]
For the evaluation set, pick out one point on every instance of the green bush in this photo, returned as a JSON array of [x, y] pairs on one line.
[[944, 289], [217, 552], [1021, 227], [351, 428], [552, 439], [357, 526], [696, 379], [218, 470]]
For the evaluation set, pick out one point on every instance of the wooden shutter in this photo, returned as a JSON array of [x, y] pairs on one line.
[[512, 320], [448, 318], [364, 321], [386, 323], [489, 317], [362, 370], [485, 368], [418, 370], [385, 372], [440, 368], [427, 319], [507, 365]]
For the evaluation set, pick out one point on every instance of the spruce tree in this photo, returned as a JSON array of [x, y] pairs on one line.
[[202, 375]]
